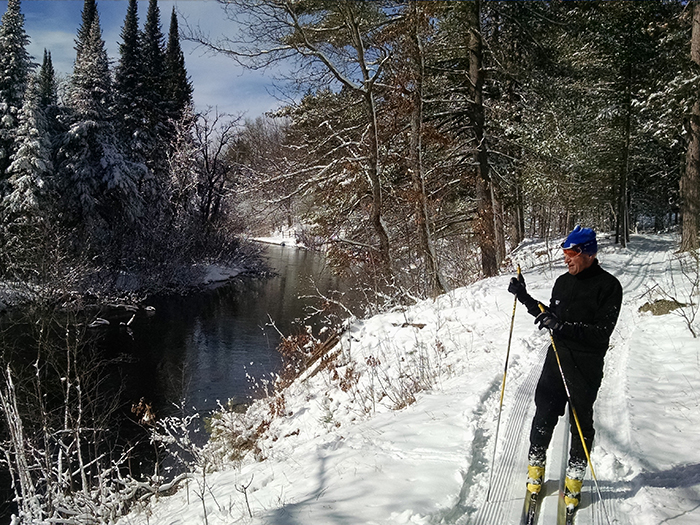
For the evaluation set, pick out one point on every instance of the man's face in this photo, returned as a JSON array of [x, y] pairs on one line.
[[577, 262]]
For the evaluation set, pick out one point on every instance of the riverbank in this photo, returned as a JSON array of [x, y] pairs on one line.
[[89, 288]]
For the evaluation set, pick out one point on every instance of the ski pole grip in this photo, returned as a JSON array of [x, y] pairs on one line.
[[541, 307]]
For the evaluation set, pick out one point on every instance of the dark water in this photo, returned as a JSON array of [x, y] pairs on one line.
[[219, 344]]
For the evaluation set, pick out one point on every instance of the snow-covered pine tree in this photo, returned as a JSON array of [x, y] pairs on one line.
[[15, 66], [48, 102], [178, 86], [31, 164], [48, 87], [100, 182], [26, 204], [88, 15]]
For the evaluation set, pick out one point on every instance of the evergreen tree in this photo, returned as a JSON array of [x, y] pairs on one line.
[[48, 87], [31, 165], [130, 106], [15, 66], [99, 181], [26, 205], [153, 67], [178, 85], [88, 15]]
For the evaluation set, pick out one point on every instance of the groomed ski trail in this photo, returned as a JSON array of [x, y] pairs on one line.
[[639, 267], [507, 491]]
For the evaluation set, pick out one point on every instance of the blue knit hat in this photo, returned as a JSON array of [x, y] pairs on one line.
[[582, 238]]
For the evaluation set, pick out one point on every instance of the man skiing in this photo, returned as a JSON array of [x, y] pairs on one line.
[[581, 317]]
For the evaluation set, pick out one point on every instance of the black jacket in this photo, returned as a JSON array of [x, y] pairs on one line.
[[589, 304]]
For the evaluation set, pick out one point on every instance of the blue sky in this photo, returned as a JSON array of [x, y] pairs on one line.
[[218, 81]]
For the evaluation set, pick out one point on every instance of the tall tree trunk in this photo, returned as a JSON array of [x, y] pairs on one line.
[[498, 223], [367, 90], [622, 230], [374, 171], [435, 282], [519, 214], [485, 228], [690, 179]]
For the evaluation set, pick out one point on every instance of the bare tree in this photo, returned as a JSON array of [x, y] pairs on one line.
[[213, 136]]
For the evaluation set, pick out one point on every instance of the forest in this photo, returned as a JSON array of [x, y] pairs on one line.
[[421, 143], [431, 138]]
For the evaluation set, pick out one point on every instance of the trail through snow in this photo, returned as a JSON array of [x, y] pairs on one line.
[[342, 452]]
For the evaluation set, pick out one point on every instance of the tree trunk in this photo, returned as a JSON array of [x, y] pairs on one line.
[[622, 230], [435, 282], [690, 179], [498, 223], [373, 154], [519, 214], [485, 228], [374, 170]]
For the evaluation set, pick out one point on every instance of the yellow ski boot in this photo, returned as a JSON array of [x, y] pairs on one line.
[[572, 492], [535, 478]]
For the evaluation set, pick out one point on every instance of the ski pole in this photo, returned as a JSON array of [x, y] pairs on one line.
[[578, 425], [503, 388]]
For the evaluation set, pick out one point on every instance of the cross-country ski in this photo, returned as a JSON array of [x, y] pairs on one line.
[[530, 510]]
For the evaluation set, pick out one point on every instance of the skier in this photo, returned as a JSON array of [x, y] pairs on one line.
[[581, 317]]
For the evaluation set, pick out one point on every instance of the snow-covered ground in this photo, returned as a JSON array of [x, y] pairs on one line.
[[281, 238], [399, 428]]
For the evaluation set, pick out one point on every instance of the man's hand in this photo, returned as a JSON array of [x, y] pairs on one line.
[[549, 320], [517, 285]]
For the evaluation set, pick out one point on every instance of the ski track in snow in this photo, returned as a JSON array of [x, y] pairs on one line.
[[334, 459]]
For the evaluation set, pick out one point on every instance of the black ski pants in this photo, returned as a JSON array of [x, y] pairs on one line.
[[551, 400]]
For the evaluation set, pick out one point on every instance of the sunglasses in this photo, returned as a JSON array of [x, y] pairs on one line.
[[572, 252]]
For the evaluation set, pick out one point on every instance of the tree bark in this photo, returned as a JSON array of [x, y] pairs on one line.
[[690, 179], [374, 167], [519, 214], [485, 226], [374, 170]]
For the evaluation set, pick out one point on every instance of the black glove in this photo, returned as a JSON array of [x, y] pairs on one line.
[[517, 286], [549, 320]]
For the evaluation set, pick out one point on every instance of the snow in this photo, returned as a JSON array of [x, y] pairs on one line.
[[216, 273], [282, 238], [400, 427]]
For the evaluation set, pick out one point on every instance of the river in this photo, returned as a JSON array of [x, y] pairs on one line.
[[219, 344]]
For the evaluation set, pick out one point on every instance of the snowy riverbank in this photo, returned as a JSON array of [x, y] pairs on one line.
[[399, 426]]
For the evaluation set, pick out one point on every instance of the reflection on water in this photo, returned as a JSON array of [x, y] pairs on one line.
[[204, 347]]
